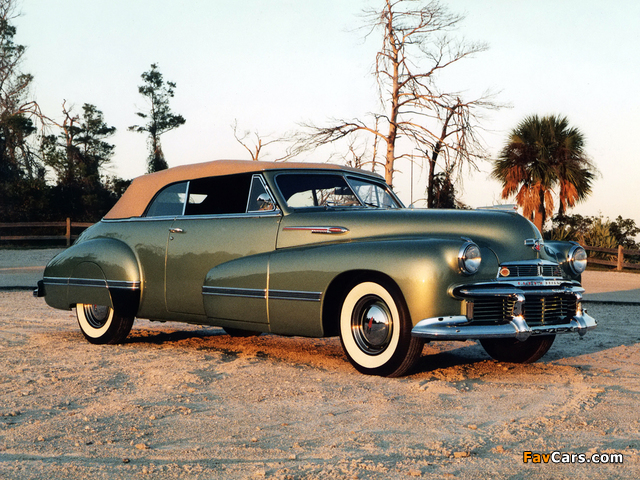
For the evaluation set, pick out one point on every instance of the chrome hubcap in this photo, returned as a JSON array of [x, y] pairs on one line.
[[96, 315], [371, 325]]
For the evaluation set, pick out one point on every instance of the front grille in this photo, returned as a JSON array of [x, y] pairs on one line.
[[493, 309], [532, 270], [524, 271], [538, 310], [550, 271]]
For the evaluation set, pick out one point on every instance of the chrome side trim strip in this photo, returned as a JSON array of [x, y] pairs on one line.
[[55, 281], [168, 218], [295, 295], [90, 282], [323, 230], [123, 284], [86, 282], [262, 293], [234, 292]]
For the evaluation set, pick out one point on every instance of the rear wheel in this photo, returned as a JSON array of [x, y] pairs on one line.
[[100, 324], [511, 350], [375, 330]]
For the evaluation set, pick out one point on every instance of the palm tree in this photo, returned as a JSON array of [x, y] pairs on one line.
[[540, 155]]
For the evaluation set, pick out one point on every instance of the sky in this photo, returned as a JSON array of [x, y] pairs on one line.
[[270, 65]]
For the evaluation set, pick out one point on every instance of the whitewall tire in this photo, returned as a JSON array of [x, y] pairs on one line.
[[100, 324], [375, 330]]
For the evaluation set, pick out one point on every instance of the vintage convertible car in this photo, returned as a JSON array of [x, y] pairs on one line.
[[318, 250]]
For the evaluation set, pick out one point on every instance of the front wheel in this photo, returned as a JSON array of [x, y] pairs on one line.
[[375, 330], [101, 324], [511, 350]]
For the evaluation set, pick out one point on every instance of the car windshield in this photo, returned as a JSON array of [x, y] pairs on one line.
[[372, 194], [307, 190]]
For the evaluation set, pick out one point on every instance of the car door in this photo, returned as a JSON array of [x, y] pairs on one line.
[[221, 222]]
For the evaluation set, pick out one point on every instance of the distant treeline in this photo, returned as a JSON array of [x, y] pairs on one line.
[[54, 169]]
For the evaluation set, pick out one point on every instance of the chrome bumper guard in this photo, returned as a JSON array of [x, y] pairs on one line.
[[459, 327], [39, 290]]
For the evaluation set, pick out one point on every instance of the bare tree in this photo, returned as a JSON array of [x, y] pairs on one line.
[[256, 148], [416, 46], [457, 143]]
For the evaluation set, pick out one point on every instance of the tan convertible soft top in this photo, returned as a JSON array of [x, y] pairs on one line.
[[135, 200]]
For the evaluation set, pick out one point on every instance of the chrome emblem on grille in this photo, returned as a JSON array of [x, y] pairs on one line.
[[505, 272]]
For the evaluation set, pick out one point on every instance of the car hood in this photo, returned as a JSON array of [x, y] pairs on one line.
[[502, 232]]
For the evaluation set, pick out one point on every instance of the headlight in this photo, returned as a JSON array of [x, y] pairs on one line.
[[577, 259], [469, 258]]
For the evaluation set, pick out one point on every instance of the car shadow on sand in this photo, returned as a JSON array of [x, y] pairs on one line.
[[144, 335], [615, 330]]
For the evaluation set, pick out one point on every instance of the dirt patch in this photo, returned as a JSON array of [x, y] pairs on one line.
[[181, 401]]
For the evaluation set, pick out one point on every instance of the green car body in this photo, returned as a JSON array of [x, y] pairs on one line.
[[383, 277]]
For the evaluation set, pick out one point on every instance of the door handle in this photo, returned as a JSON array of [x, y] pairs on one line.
[[176, 230]]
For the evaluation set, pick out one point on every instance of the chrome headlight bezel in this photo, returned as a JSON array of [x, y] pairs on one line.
[[577, 259], [469, 258]]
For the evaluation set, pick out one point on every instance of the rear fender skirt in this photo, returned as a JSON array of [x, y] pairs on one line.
[[100, 271]]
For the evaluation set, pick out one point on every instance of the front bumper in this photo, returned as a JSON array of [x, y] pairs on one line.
[[517, 323], [459, 328]]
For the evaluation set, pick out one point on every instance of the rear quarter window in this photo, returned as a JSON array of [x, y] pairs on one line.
[[169, 201]]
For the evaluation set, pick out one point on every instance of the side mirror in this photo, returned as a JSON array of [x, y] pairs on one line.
[[265, 202]]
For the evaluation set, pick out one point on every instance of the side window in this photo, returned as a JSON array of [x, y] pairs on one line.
[[169, 202], [314, 190], [218, 195], [259, 198]]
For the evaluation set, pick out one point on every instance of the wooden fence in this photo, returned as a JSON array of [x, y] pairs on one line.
[[619, 252], [68, 225]]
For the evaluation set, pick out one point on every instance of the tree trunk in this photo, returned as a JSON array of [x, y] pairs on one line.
[[540, 214], [432, 173], [434, 155], [395, 102]]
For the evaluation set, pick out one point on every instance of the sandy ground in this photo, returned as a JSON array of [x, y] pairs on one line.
[[181, 401]]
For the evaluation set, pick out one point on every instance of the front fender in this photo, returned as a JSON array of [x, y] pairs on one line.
[[101, 271], [558, 251], [424, 269]]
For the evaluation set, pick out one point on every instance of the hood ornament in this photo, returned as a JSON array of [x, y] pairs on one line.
[[534, 243]]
